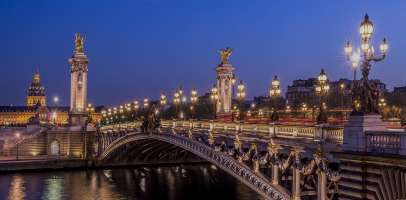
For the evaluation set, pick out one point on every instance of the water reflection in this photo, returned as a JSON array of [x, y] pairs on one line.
[[54, 189], [16, 188], [203, 181]]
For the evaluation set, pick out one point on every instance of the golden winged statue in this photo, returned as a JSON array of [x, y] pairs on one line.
[[79, 44], [224, 54]]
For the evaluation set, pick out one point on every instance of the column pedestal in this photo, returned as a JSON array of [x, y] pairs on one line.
[[354, 131]]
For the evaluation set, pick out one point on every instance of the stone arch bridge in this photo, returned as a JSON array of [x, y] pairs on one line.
[[278, 162]]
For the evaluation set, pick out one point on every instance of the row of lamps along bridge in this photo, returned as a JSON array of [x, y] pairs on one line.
[[322, 88]]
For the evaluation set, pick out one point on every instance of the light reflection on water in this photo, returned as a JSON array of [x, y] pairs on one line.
[[203, 181], [16, 188]]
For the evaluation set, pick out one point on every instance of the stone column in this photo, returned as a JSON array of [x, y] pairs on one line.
[[255, 166], [224, 86], [78, 90], [321, 185], [275, 174], [296, 184]]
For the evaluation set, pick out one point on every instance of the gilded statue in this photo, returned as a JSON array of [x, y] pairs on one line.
[[224, 54], [79, 44]]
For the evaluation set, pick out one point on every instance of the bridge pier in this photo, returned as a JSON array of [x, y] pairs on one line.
[[296, 184], [255, 167], [321, 185], [275, 175]]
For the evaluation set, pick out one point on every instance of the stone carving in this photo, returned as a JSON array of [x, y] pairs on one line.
[[80, 81]]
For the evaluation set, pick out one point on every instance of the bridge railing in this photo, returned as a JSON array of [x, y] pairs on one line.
[[272, 130], [386, 142]]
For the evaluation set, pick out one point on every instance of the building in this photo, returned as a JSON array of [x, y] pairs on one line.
[[205, 99], [301, 89], [267, 100], [36, 111], [36, 92], [306, 88]]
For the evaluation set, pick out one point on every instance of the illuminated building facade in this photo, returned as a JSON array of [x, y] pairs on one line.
[[36, 93]]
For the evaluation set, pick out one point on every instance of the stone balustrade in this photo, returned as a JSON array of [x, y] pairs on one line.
[[8, 146], [386, 142], [318, 132]]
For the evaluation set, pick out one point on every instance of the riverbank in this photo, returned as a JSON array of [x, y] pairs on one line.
[[46, 163]]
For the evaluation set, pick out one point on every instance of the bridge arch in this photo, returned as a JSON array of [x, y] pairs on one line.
[[239, 170]]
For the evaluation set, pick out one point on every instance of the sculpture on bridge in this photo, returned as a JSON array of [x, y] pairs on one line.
[[224, 54], [365, 97], [79, 44]]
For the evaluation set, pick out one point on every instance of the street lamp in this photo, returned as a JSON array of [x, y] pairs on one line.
[[275, 93], [115, 114], [180, 97], [214, 97], [56, 100], [322, 90], [193, 100], [89, 110], [240, 97], [342, 92], [109, 114], [233, 82], [18, 136], [128, 107], [382, 104], [260, 114], [176, 101], [304, 108], [121, 112], [163, 103], [368, 54], [136, 106]]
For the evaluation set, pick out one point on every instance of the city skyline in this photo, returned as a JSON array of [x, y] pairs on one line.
[[166, 45]]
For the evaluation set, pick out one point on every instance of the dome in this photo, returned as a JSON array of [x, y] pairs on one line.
[[36, 89]]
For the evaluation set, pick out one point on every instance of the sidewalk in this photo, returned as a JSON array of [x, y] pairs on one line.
[[30, 158]]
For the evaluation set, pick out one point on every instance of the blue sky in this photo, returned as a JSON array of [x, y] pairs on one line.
[[144, 48]]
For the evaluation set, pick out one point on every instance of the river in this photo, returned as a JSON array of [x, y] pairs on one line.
[[175, 182]]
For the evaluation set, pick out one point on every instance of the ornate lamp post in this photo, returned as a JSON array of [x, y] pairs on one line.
[[240, 97], [109, 115], [193, 100], [128, 107], [18, 137], [146, 105], [382, 104], [89, 110], [322, 90], [56, 100], [121, 112], [115, 114], [260, 114], [214, 97], [342, 92], [275, 93], [136, 106], [163, 103], [176, 101], [180, 97], [368, 105]]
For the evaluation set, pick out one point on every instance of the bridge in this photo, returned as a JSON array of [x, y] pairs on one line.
[[277, 161]]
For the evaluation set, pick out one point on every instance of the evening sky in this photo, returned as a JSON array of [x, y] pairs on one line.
[[144, 48]]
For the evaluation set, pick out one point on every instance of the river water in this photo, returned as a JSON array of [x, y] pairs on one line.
[[198, 181]]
